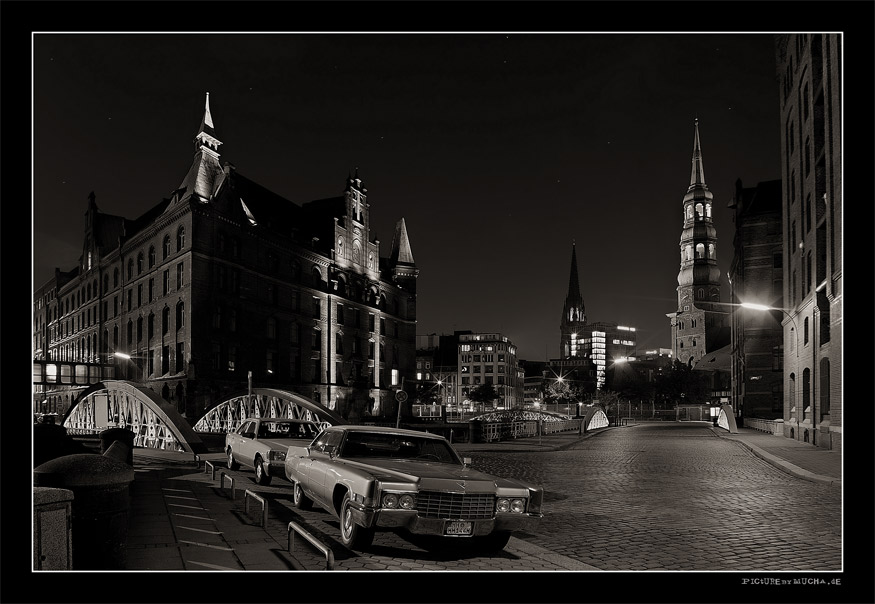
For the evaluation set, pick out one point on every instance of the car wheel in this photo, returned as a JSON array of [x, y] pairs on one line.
[[353, 535], [232, 464], [302, 502], [493, 542], [261, 476]]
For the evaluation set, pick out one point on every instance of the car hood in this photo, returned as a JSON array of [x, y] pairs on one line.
[[436, 476]]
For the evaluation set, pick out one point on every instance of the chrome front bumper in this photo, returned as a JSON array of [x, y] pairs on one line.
[[407, 519]]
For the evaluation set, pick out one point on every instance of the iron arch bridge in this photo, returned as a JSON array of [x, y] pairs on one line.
[[157, 424], [264, 402]]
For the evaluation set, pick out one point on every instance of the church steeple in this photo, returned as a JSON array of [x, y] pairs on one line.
[[573, 312], [693, 333]]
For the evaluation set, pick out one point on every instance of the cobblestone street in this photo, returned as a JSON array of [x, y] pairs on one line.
[[676, 497]]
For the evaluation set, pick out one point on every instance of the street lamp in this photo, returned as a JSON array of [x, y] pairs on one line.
[[764, 308], [128, 357]]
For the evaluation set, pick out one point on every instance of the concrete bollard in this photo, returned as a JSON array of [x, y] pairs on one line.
[[52, 535], [101, 489]]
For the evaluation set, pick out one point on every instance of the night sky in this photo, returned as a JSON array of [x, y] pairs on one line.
[[498, 149]]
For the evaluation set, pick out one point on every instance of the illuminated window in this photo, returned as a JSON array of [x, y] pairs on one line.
[[394, 377]]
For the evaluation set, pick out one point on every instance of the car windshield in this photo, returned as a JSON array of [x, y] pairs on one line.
[[287, 430], [397, 446]]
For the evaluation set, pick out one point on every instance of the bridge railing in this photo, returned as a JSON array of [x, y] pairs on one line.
[[497, 431]]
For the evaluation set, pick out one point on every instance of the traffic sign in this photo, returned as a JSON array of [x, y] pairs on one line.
[[400, 396]]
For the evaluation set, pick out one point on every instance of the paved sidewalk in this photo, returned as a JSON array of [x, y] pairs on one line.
[[183, 518]]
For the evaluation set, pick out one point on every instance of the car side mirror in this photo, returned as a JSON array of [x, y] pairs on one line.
[[466, 461]]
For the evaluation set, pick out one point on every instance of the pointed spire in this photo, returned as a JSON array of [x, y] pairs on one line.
[[697, 174], [574, 308], [202, 177], [207, 121], [401, 253]]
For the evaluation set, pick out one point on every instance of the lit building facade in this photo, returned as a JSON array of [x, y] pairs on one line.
[[225, 280], [489, 358], [809, 69]]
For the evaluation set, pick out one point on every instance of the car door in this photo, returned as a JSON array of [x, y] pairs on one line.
[[246, 447], [323, 459]]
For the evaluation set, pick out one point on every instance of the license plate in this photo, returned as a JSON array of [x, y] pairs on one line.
[[458, 527]]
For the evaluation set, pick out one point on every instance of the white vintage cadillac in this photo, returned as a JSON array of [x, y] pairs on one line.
[[373, 477]]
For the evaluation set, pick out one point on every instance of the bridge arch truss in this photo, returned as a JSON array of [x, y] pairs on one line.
[[264, 402]]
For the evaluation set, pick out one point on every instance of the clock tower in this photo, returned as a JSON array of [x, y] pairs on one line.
[[698, 325]]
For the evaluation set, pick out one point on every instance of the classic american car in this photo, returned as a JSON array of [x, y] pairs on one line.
[[261, 443], [373, 477]]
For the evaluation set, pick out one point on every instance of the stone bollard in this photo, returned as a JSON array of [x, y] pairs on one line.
[[112, 435], [101, 489], [52, 520]]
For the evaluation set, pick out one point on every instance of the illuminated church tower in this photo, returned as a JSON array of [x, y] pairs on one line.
[[573, 315], [698, 325]]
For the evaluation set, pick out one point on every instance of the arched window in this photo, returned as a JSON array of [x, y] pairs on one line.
[[712, 254], [689, 212], [708, 210], [806, 389], [130, 268], [700, 294], [824, 387], [180, 238], [151, 325], [699, 213], [700, 250], [338, 343], [180, 315], [140, 263], [805, 331], [115, 277], [151, 256], [105, 283], [340, 247], [165, 320], [166, 248]]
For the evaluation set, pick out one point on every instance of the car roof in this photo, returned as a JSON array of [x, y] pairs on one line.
[[291, 420], [384, 430]]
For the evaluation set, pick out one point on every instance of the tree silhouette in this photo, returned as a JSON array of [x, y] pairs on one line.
[[484, 393]]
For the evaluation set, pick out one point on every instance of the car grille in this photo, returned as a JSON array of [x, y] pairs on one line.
[[437, 504]]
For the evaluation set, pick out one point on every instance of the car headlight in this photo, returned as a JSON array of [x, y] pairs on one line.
[[403, 501], [276, 455], [517, 506]]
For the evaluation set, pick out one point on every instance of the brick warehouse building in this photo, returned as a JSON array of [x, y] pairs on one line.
[[809, 69], [225, 278]]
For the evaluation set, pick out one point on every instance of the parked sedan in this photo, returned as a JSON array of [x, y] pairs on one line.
[[261, 443], [374, 478]]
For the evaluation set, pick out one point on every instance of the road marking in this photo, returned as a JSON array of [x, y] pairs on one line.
[[177, 490], [226, 549], [195, 517], [180, 497], [213, 566], [199, 530], [194, 507]]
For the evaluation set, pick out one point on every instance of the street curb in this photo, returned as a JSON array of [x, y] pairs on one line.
[[785, 465]]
